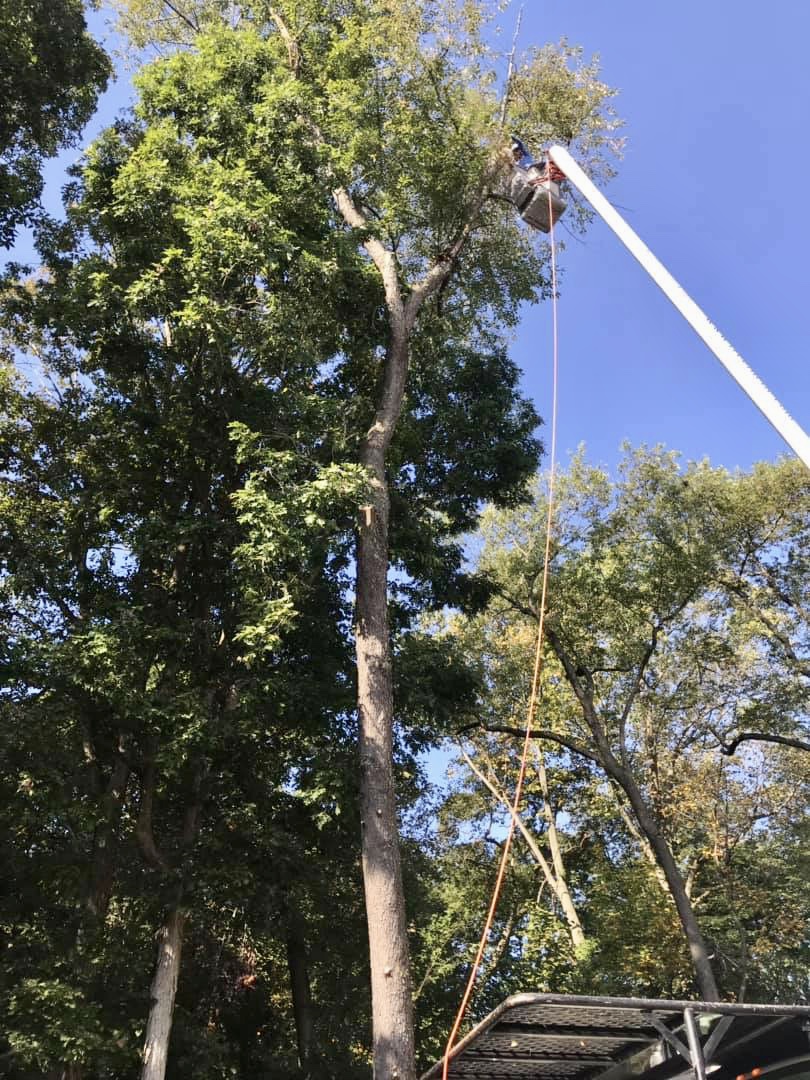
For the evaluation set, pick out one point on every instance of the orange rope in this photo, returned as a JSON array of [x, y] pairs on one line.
[[538, 666]]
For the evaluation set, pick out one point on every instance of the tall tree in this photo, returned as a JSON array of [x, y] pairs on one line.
[[174, 418], [301, 224], [653, 653], [406, 100]]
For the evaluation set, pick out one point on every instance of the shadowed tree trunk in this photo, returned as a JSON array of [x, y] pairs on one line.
[[162, 995], [170, 939], [298, 968]]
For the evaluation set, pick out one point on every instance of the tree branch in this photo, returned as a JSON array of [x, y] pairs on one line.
[[503, 799], [143, 825], [634, 692], [190, 23], [510, 71], [739, 590], [537, 733], [382, 258], [760, 736], [293, 49]]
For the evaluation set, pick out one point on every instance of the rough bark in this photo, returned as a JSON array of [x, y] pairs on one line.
[[162, 995]]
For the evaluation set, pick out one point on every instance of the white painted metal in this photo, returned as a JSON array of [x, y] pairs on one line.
[[796, 438]]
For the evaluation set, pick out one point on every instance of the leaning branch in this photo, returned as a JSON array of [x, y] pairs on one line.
[[144, 834], [382, 258], [190, 23], [503, 799], [799, 663], [635, 690], [510, 71]]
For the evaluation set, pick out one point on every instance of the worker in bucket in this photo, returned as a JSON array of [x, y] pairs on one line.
[[534, 188]]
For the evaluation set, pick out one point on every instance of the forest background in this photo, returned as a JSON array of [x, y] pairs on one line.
[[179, 491]]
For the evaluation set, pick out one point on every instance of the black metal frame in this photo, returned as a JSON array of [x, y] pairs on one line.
[[695, 1052]]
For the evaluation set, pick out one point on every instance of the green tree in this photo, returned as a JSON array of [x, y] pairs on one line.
[[168, 503], [653, 658], [51, 73], [300, 224], [399, 103]]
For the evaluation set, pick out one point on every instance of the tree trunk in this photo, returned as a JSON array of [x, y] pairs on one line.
[[701, 963], [554, 875], [301, 996], [677, 887], [382, 875], [563, 893], [162, 995], [102, 871], [391, 996]]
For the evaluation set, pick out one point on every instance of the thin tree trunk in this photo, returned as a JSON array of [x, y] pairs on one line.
[[301, 996], [704, 974], [167, 970], [391, 995], [162, 995], [392, 1004], [563, 893], [102, 872], [643, 843], [552, 874]]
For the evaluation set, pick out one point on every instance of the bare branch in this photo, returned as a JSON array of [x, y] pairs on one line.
[[190, 23], [510, 72], [760, 736], [382, 258], [503, 799], [537, 733], [293, 50]]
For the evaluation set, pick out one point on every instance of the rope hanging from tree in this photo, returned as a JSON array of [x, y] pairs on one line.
[[536, 673]]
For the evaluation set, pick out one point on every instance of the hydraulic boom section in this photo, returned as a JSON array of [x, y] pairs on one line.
[[533, 187]]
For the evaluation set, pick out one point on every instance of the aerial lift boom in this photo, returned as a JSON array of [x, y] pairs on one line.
[[796, 438]]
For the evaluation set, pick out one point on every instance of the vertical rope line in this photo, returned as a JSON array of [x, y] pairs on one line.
[[536, 670]]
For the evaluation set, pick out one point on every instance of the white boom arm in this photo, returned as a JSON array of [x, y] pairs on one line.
[[796, 438]]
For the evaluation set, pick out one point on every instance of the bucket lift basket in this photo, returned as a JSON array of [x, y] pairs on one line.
[[535, 191]]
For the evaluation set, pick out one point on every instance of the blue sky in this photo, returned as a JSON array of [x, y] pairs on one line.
[[716, 96]]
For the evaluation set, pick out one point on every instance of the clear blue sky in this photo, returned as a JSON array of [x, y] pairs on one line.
[[716, 96]]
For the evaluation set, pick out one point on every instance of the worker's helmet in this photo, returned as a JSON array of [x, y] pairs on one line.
[[519, 149]]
